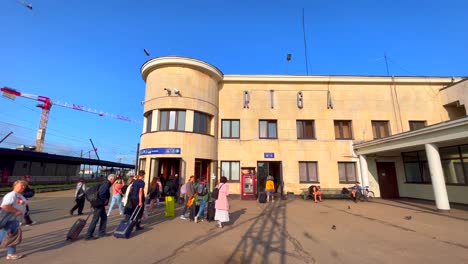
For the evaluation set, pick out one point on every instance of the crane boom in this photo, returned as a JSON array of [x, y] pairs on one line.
[[46, 106]]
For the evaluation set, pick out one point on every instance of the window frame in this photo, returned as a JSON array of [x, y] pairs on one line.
[[376, 128], [229, 177], [303, 123], [308, 177], [460, 158], [149, 121], [268, 122], [413, 123], [347, 181], [341, 135], [168, 120], [421, 161], [230, 128], [198, 125]]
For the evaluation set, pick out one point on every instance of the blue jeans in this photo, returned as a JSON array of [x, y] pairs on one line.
[[12, 226], [201, 212], [98, 213], [185, 206], [116, 198]]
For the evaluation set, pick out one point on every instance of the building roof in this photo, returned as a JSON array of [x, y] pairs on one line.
[[46, 157]]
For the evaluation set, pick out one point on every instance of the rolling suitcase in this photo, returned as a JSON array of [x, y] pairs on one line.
[[125, 227], [262, 198], [210, 214], [77, 227]]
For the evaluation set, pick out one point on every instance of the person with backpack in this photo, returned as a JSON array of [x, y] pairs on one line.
[[79, 197], [136, 198], [99, 198], [170, 190], [202, 198], [189, 192]]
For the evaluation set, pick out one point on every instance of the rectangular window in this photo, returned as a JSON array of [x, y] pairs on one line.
[[172, 120], [230, 128], [343, 129], [380, 129], [416, 167], [149, 119], [308, 172], [201, 123], [455, 164], [414, 125], [305, 129], [231, 170], [347, 172], [268, 129]]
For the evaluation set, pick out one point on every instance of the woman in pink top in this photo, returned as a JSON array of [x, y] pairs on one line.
[[222, 203], [117, 196]]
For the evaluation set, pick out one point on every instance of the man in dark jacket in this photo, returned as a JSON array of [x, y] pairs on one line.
[[100, 212], [28, 193]]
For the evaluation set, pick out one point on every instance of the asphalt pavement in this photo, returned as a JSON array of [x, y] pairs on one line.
[[284, 231]]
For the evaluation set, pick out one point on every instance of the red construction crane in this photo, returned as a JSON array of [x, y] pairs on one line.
[[46, 105]]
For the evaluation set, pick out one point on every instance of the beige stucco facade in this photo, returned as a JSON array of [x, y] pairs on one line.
[[360, 99]]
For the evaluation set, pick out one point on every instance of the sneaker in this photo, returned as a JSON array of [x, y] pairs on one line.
[[32, 223], [196, 219], [91, 238], [183, 217], [13, 256], [139, 228]]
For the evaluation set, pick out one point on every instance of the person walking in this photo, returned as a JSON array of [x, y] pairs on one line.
[[79, 197], [222, 203], [189, 192], [100, 211], [13, 203], [202, 199], [170, 190], [28, 194], [117, 196], [136, 198], [154, 193], [269, 188]]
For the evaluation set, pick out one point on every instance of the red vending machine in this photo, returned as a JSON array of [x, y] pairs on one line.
[[248, 184]]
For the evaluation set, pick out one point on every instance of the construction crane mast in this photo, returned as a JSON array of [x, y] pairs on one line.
[[46, 105]]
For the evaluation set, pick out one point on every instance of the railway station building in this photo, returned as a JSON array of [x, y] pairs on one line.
[[403, 136]]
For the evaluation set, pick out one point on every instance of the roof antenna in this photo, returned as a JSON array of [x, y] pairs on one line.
[[386, 63], [288, 59], [146, 52], [305, 42]]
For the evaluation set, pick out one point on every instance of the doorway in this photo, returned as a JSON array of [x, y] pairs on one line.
[[273, 168], [388, 183]]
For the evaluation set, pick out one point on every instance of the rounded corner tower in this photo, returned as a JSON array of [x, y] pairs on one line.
[[181, 110]]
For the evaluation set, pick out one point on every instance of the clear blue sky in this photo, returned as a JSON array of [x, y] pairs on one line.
[[90, 53]]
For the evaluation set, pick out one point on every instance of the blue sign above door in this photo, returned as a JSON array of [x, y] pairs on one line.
[[269, 155], [151, 151]]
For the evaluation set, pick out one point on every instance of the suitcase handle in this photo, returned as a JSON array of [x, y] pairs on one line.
[[135, 213]]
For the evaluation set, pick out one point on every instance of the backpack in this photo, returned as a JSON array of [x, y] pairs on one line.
[[80, 194], [183, 189], [201, 189], [170, 189], [92, 195], [215, 192]]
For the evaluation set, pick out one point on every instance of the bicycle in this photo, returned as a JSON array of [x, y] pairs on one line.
[[366, 194]]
